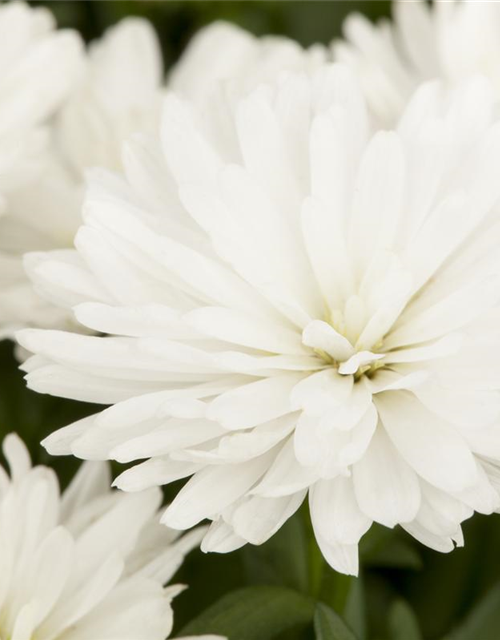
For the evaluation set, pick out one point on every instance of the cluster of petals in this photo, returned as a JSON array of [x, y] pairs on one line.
[[287, 302], [106, 95], [88, 102], [36, 62], [90, 563], [38, 66], [450, 40]]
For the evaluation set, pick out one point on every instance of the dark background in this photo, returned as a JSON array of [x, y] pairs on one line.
[[442, 590]]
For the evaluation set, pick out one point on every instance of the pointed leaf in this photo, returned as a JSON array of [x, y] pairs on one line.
[[253, 613], [483, 622], [403, 623], [328, 625]]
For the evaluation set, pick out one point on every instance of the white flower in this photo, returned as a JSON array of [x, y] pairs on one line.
[[452, 40], [118, 92], [90, 563], [38, 67], [302, 308]]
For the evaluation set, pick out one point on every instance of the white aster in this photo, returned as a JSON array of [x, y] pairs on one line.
[[90, 563], [306, 308], [118, 92], [452, 41], [38, 68]]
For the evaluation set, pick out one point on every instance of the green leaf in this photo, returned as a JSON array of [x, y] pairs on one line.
[[345, 595], [354, 611], [282, 560], [483, 623], [254, 613], [328, 625], [403, 623]]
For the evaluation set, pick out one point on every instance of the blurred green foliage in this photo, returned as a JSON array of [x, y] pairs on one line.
[[405, 592], [307, 21]]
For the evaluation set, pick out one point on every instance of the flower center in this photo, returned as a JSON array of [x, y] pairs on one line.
[[336, 350]]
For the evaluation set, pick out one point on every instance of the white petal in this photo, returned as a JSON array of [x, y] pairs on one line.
[[221, 538], [254, 403], [335, 513], [286, 475], [341, 557], [445, 346], [153, 473], [357, 361], [190, 158], [443, 544], [151, 321], [321, 335], [257, 518], [321, 391], [461, 407], [92, 480], [448, 314], [86, 597], [17, 456], [327, 251], [174, 434], [242, 328], [349, 413], [329, 450], [378, 197], [431, 446], [241, 446], [386, 487], [211, 490], [440, 513]]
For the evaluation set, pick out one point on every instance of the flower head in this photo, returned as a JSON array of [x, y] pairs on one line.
[[292, 306], [116, 92], [38, 68], [452, 41], [90, 563], [119, 94]]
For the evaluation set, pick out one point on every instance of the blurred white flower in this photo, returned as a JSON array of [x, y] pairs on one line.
[[38, 67], [452, 41], [90, 563], [118, 92], [304, 307]]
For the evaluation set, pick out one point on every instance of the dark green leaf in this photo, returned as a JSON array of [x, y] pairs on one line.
[[283, 560], [403, 623], [328, 625], [254, 613], [483, 622], [354, 610]]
